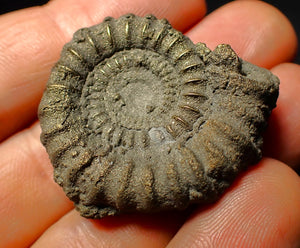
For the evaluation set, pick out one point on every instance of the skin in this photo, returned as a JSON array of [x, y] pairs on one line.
[[262, 207]]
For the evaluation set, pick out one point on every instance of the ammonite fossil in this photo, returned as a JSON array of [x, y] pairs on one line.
[[137, 118]]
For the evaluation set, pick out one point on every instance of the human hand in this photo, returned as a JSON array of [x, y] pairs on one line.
[[261, 208]]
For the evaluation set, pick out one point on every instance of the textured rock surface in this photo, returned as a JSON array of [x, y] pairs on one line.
[[135, 117]]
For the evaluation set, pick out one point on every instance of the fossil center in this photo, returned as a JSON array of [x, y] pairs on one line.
[[138, 93]]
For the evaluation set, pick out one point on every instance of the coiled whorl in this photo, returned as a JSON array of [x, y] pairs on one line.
[[135, 117]]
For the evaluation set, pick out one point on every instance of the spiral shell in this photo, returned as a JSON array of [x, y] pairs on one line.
[[137, 118]]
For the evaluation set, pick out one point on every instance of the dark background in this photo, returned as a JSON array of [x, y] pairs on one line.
[[288, 7]]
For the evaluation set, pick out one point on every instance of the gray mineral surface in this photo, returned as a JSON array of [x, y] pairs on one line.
[[137, 118]]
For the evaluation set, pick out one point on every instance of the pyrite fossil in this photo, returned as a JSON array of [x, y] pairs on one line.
[[137, 118]]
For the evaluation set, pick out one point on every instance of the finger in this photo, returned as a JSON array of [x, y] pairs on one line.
[[31, 41], [257, 31], [282, 139], [151, 231], [260, 210], [30, 201]]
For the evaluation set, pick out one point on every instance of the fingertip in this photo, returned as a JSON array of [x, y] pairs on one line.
[[259, 207], [256, 30], [181, 14], [31, 195], [194, 14], [282, 138], [152, 231]]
